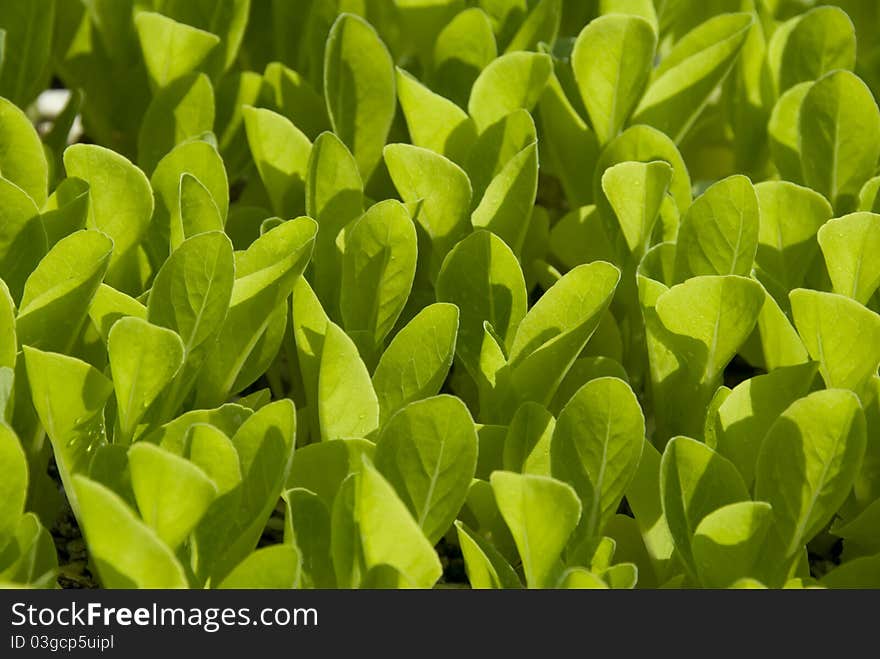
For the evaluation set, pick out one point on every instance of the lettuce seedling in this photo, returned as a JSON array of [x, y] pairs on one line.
[[498, 294]]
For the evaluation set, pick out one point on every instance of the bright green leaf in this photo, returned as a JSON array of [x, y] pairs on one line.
[[58, 292], [171, 49], [597, 446], [125, 551], [417, 361], [182, 110], [334, 198], [347, 402], [264, 277], [808, 463], [22, 159], [441, 192], [121, 202], [378, 268], [541, 513], [840, 334], [727, 542], [434, 122], [527, 446], [846, 244], [359, 88], [281, 153], [557, 328], [787, 249], [695, 481], [485, 566], [690, 72], [511, 82], [745, 416], [464, 47], [22, 237], [482, 277], [719, 232], [143, 360], [273, 567], [388, 532], [428, 452], [839, 129], [172, 493], [506, 206], [612, 60]]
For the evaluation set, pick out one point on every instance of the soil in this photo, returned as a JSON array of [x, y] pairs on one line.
[[73, 560]]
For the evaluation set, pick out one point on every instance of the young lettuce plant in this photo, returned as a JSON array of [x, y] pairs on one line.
[[583, 293]]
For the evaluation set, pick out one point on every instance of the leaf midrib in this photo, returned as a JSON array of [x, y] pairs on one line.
[[801, 527], [435, 476], [600, 478]]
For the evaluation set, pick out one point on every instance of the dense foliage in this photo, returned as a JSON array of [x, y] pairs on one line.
[[387, 293]]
